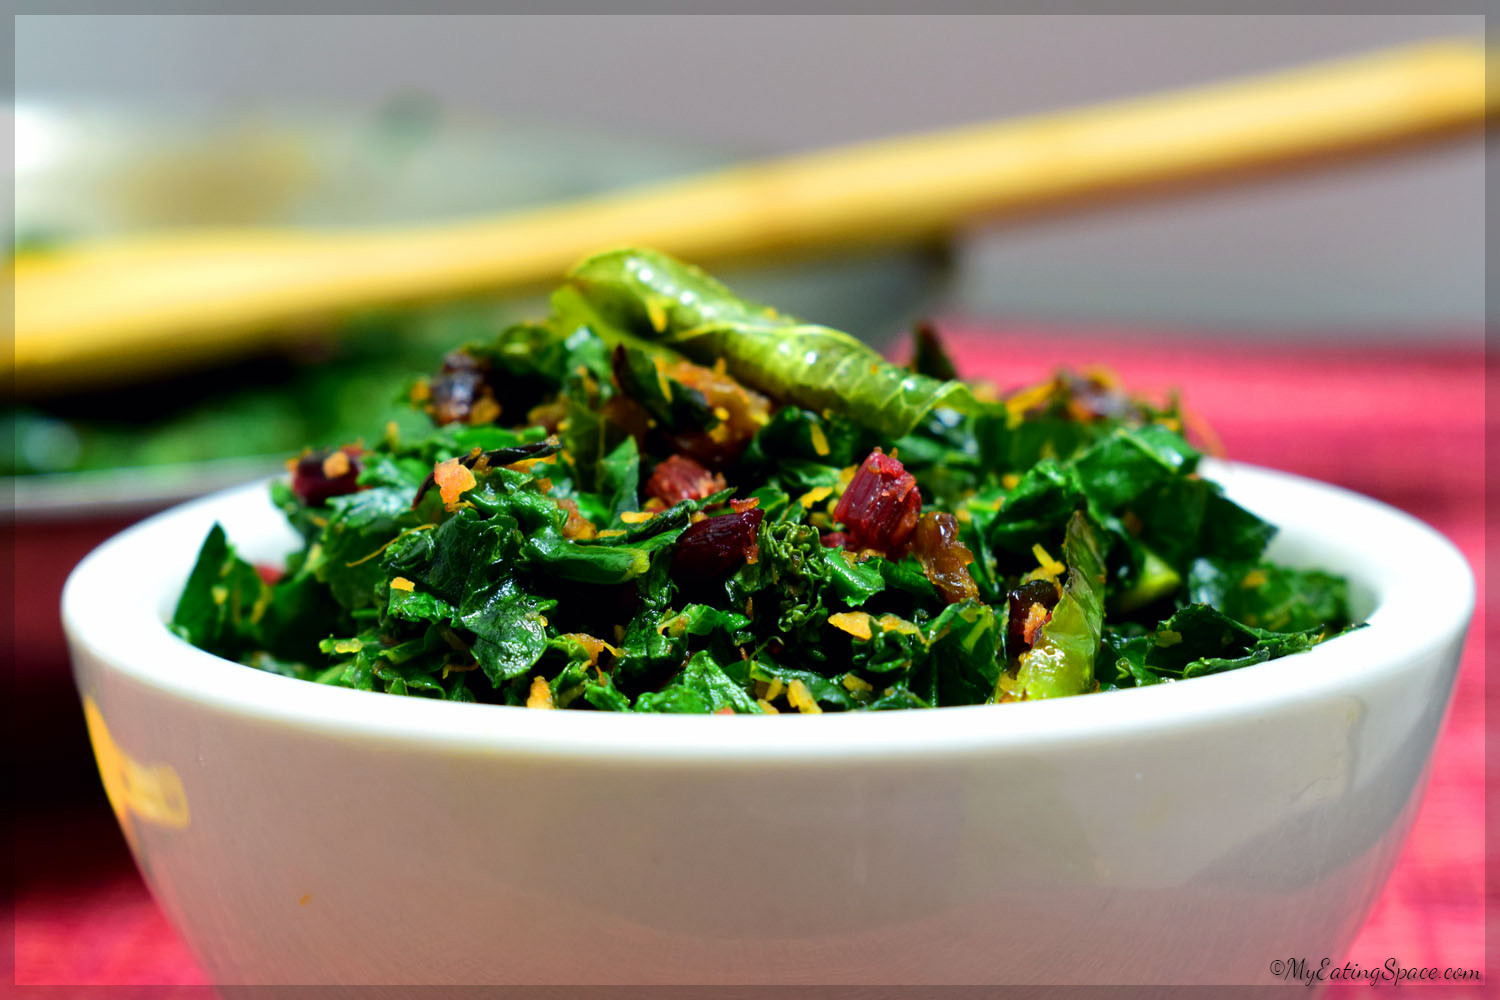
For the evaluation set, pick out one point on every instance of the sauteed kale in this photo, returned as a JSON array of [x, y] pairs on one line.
[[663, 498]]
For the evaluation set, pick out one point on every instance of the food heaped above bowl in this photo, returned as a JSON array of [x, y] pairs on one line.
[[664, 498]]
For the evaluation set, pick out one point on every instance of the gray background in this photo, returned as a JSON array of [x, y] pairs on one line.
[[1391, 247]]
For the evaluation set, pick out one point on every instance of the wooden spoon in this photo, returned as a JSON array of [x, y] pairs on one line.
[[93, 312]]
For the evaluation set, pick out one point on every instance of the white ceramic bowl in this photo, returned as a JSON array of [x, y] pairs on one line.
[[1188, 833]]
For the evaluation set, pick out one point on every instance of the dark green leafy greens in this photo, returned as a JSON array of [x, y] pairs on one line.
[[663, 498]]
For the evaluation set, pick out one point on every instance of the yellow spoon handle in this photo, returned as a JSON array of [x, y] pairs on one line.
[[173, 300]]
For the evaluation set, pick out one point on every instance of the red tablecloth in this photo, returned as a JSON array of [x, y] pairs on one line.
[[1396, 422]]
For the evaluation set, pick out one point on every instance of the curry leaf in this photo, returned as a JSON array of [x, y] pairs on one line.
[[652, 297]]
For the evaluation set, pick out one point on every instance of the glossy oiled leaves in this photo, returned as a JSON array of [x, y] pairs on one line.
[[564, 554], [1061, 662], [224, 599], [651, 297]]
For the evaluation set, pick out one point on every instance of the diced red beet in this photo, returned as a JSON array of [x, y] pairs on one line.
[[681, 478], [880, 505], [834, 540], [944, 558], [319, 475], [717, 546]]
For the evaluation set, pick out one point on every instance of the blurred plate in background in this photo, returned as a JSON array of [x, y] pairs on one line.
[[96, 170]]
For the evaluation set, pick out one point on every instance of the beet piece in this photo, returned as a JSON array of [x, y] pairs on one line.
[[880, 505], [716, 546], [319, 475], [681, 478]]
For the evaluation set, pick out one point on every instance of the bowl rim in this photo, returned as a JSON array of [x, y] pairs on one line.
[[1413, 567]]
